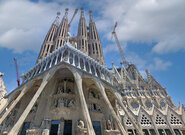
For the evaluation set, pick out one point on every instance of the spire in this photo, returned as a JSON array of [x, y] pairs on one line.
[[82, 40], [56, 22], [48, 44], [90, 16], [3, 90], [62, 31], [94, 45]]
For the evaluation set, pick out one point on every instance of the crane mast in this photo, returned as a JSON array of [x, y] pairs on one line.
[[17, 73], [69, 24], [119, 46]]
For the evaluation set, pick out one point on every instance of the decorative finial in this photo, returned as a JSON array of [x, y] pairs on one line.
[[66, 12], [67, 9], [82, 11], [112, 63], [1, 74], [90, 15], [57, 18], [58, 13], [146, 71]]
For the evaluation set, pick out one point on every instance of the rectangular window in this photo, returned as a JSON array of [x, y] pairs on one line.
[[48, 48], [26, 126], [177, 132], [161, 132], [168, 132], [97, 127], [152, 132], [55, 124], [136, 133], [67, 127], [89, 48], [145, 131]]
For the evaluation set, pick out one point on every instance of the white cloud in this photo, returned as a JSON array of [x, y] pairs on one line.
[[160, 64], [24, 24], [156, 21]]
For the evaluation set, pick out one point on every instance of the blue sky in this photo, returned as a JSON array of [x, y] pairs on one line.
[[151, 33]]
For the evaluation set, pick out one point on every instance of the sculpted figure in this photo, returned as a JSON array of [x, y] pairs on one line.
[[80, 128], [71, 104], [98, 108], [61, 102], [109, 126]]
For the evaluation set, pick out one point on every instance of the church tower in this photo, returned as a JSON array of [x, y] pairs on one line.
[[48, 44], [94, 45], [82, 41], [62, 31], [3, 91]]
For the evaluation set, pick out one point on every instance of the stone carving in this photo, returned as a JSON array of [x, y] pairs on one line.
[[80, 128], [9, 121], [94, 107], [61, 90], [64, 102], [92, 94], [34, 109], [109, 125]]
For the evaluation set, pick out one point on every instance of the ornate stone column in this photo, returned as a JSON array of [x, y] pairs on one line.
[[84, 107], [108, 104], [23, 116]]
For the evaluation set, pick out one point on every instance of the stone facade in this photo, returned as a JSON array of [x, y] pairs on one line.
[[70, 93]]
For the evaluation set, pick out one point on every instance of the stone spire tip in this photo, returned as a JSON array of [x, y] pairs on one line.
[[1, 74], [67, 9], [58, 13], [90, 15], [82, 11], [66, 12], [57, 18]]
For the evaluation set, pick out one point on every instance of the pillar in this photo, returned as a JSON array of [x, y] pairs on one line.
[[108, 104], [23, 116], [84, 107], [25, 89]]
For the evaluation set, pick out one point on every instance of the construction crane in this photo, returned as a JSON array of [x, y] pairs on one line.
[[16, 66], [119, 46], [69, 24]]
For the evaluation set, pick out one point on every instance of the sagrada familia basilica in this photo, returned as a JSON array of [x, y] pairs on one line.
[[70, 91]]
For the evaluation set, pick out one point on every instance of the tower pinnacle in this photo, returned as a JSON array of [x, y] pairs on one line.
[[82, 12], [48, 44], [82, 40], [62, 31], [57, 18], [66, 12], [94, 44], [90, 16]]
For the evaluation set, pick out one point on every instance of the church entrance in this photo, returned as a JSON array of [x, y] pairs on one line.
[[55, 124], [67, 127], [97, 127]]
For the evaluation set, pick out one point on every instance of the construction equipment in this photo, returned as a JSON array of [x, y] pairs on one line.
[[16, 66], [119, 46], [76, 10]]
